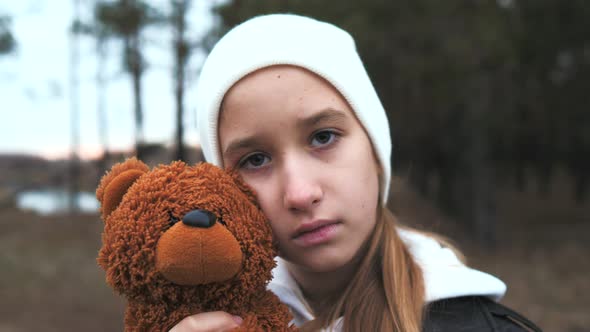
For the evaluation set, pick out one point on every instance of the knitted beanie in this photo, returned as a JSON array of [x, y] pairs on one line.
[[285, 39]]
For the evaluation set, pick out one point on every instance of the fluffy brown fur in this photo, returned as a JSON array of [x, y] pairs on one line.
[[168, 270]]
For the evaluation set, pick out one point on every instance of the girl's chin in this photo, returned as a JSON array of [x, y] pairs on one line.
[[319, 262]]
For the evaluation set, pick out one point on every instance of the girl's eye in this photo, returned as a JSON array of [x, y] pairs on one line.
[[323, 137], [253, 161]]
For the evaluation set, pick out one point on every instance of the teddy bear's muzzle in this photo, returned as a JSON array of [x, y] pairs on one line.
[[188, 255]]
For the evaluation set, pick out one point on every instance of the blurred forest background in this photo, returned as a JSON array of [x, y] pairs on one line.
[[488, 105]]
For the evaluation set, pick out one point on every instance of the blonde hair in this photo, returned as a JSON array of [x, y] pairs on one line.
[[387, 291]]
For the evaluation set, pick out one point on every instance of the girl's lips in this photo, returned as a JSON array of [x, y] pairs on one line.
[[319, 233]]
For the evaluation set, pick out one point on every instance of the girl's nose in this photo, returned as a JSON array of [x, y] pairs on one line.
[[301, 191]]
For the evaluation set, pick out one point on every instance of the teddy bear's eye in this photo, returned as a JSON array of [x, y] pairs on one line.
[[173, 220]]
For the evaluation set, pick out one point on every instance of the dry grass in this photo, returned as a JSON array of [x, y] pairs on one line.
[[544, 256], [50, 280]]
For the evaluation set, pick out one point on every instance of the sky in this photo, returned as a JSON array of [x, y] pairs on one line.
[[35, 89]]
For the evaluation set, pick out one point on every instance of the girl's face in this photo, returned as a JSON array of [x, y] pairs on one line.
[[297, 143]]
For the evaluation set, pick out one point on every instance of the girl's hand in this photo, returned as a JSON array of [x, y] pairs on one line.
[[208, 322]]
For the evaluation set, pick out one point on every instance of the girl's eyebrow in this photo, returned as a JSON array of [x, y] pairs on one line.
[[324, 115], [242, 143]]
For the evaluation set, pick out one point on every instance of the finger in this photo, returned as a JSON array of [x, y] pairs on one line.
[[208, 322]]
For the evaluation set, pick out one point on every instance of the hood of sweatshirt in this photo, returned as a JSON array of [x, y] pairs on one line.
[[445, 276]]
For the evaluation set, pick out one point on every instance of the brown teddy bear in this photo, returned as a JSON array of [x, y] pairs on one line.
[[180, 240]]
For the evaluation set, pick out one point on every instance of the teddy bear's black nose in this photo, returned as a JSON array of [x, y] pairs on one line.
[[199, 218]]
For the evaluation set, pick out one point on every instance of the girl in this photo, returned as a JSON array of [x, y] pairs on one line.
[[286, 101]]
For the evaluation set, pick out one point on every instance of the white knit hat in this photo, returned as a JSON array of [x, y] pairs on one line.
[[284, 39]]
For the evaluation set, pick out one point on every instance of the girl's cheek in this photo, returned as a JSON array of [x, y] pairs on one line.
[[264, 196]]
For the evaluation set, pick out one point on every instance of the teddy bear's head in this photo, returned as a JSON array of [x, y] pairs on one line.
[[182, 233]]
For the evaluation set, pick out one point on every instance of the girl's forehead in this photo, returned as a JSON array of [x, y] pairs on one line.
[[281, 87], [280, 77]]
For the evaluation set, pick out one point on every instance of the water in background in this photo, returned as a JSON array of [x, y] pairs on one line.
[[50, 201]]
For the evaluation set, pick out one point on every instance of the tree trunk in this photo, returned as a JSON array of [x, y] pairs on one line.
[[481, 191], [100, 102], [181, 55], [135, 67], [74, 165]]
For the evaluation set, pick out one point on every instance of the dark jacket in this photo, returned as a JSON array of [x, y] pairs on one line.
[[474, 313]]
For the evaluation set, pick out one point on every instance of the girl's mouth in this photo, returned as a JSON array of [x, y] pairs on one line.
[[316, 232]]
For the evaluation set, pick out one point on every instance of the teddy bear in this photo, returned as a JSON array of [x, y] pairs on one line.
[[179, 240]]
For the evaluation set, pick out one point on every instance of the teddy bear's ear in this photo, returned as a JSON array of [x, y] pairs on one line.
[[115, 183]]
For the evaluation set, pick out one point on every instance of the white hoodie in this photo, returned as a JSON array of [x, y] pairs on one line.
[[444, 277]]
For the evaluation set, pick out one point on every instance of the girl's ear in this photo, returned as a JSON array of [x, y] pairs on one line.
[[116, 182]]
